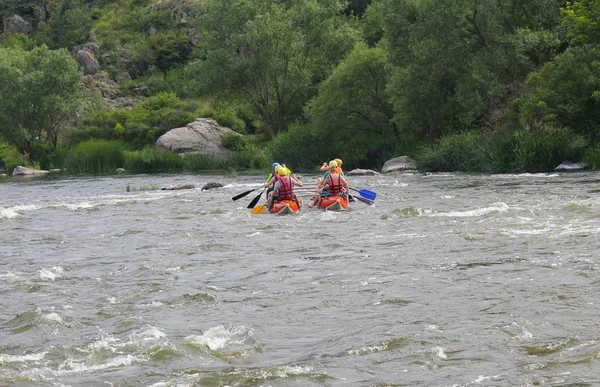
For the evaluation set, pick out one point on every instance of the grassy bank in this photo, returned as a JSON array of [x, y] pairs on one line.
[[536, 149]]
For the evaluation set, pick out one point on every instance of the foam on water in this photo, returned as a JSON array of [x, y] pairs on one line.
[[32, 357], [219, 337], [8, 213], [50, 274], [499, 207]]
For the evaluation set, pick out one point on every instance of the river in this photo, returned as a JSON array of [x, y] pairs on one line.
[[447, 280]]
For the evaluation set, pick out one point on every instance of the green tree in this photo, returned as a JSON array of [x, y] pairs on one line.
[[454, 64], [71, 25], [352, 106], [270, 54], [39, 93]]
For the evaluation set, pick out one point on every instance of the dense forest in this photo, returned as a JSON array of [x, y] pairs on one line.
[[468, 85]]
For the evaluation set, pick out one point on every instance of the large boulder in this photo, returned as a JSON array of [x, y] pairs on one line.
[[362, 172], [22, 171], [402, 163], [570, 166], [202, 136], [87, 62], [16, 25]]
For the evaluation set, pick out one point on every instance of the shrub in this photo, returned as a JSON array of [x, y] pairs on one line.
[[234, 143], [96, 156], [224, 117], [536, 148], [299, 147], [151, 160], [466, 151]]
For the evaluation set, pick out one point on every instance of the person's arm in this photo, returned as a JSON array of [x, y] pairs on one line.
[[345, 184], [297, 182], [324, 167]]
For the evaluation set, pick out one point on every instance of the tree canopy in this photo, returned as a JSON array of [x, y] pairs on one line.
[[271, 55], [39, 93]]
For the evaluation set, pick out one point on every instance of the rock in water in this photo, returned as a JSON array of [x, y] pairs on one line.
[[211, 186]]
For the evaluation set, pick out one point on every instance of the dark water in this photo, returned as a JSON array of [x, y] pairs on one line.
[[448, 280]]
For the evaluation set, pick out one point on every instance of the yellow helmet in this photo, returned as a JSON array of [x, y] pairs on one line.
[[333, 164], [339, 162], [283, 171]]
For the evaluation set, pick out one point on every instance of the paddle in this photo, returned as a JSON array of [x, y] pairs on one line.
[[366, 193], [364, 200], [256, 199], [236, 197], [259, 209]]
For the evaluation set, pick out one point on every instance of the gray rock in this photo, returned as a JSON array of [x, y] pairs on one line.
[[2, 174], [211, 186], [203, 136], [402, 163], [178, 187], [124, 77], [23, 171], [87, 62], [92, 47], [362, 172], [16, 25], [101, 83], [143, 90], [120, 171], [125, 53], [571, 166]]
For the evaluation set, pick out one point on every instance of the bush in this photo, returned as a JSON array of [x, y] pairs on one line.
[[537, 148], [140, 126], [11, 158], [299, 147], [96, 156], [466, 151], [224, 117], [151, 160], [234, 143]]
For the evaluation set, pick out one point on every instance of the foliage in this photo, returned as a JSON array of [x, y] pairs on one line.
[[458, 152], [451, 65], [140, 126], [234, 143], [224, 117], [270, 54], [352, 110], [39, 93], [592, 156], [300, 148], [96, 156], [539, 148], [565, 91], [151, 160]]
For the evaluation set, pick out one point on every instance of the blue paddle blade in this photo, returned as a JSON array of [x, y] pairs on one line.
[[366, 193]]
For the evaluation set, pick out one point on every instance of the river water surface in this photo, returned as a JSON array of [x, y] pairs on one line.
[[447, 280]]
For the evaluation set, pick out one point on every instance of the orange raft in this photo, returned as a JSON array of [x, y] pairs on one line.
[[334, 203], [284, 207]]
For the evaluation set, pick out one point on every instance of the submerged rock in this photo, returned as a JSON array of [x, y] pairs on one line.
[[178, 187], [211, 186]]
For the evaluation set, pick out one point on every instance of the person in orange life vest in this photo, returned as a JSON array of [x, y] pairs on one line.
[[325, 168], [284, 189], [334, 185]]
